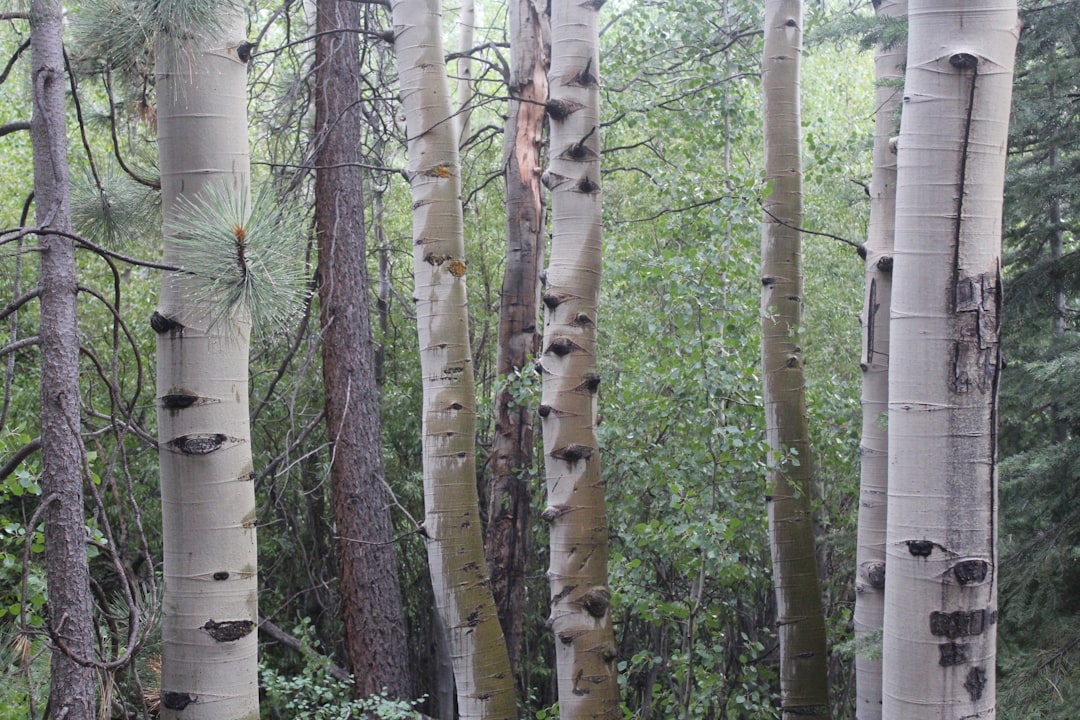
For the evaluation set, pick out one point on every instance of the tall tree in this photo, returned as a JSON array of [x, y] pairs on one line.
[[371, 596], [940, 623], [209, 650], [800, 620], [578, 574], [507, 535], [889, 59], [485, 685], [71, 623]]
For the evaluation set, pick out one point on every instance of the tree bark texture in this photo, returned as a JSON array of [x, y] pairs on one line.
[[210, 608], [485, 685], [466, 35], [371, 596], [941, 595], [800, 620], [580, 597], [507, 538], [71, 619], [874, 446]]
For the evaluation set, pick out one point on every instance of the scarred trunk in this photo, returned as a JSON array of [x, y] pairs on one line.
[[800, 620], [485, 685], [580, 598], [371, 597], [874, 447], [67, 573], [941, 594], [507, 540], [210, 611]]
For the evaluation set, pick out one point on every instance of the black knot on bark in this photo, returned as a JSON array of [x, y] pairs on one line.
[[560, 109], [592, 381], [221, 575], [861, 251], [177, 700], [197, 444], [243, 51], [971, 571], [920, 548], [596, 601], [572, 453], [162, 324], [561, 346], [545, 410], [177, 401], [964, 61], [884, 264], [768, 281], [228, 630], [587, 186], [875, 575], [553, 300]]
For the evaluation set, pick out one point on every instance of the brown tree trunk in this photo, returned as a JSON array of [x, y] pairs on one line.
[[72, 685], [507, 539], [371, 597]]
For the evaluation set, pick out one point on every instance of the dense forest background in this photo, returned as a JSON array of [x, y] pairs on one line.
[[682, 433]]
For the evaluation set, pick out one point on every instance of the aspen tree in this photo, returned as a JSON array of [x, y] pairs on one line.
[[209, 649], [485, 685], [507, 536], [580, 597], [800, 620], [941, 595], [873, 449]]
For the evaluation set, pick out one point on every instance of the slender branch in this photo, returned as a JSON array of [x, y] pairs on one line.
[[21, 454], [295, 644], [14, 127]]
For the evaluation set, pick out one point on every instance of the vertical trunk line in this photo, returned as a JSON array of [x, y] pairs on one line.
[[962, 61]]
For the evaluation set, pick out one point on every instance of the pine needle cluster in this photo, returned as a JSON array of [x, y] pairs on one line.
[[242, 259], [124, 33]]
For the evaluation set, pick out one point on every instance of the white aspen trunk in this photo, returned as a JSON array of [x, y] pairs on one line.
[[71, 618], [580, 598], [874, 447], [941, 593], [800, 619], [485, 685], [209, 650], [467, 28]]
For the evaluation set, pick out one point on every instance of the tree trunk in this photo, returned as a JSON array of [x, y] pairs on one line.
[[71, 620], [941, 594], [800, 620], [874, 448], [209, 647], [371, 597], [467, 26], [485, 685], [580, 598], [507, 539]]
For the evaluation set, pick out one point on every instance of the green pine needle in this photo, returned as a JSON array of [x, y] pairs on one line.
[[243, 262], [124, 32], [115, 213]]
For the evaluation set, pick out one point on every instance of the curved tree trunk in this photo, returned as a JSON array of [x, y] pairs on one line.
[[371, 596], [485, 685], [580, 598], [874, 448], [71, 624], [209, 649], [941, 595], [800, 620], [507, 535]]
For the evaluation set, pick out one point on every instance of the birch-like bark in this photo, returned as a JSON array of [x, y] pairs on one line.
[[467, 32], [71, 619], [800, 620], [485, 685], [371, 596], [941, 594], [507, 535], [580, 597], [210, 611], [874, 447]]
